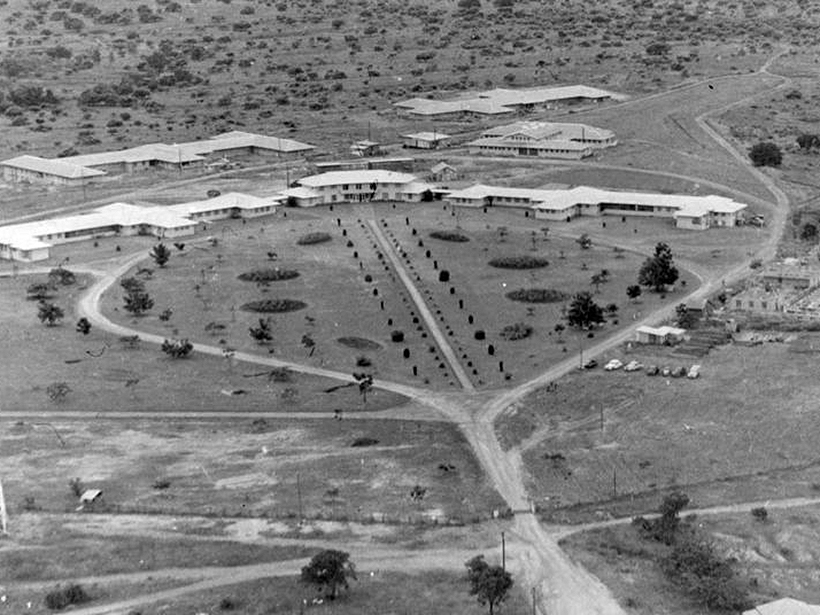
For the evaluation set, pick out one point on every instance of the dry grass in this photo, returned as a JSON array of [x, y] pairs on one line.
[[738, 433], [249, 469]]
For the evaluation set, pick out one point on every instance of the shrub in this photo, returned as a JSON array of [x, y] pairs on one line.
[[177, 349], [449, 236], [537, 295], [760, 513], [273, 306], [365, 441], [480, 335], [269, 275], [397, 336], [516, 331], [61, 597], [313, 238], [766, 154], [444, 276], [363, 361], [519, 262]]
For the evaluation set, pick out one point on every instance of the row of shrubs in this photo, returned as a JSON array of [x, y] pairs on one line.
[[269, 275]]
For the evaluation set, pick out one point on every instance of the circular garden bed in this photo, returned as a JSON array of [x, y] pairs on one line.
[[359, 343], [313, 238], [537, 295], [269, 275], [519, 262], [516, 331], [273, 306], [449, 236]]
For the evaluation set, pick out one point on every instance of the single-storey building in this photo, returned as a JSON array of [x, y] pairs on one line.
[[528, 131], [759, 299], [36, 170], [140, 158], [426, 140], [791, 275], [365, 148], [503, 100], [356, 187], [548, 148], [443, 172], [31, 241], [389, 164], [665, 335]]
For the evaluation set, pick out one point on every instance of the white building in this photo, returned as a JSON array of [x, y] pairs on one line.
[[502, 100], [356, 187], [689, 212], [543, 131], [36, 170], [659, 335], [31, 241]]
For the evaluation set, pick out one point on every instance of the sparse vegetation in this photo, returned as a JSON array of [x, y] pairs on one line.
[[314, 238], [454, 236], [269, 275], [273, 306], [516, 331], [537, 295], [519, 262]]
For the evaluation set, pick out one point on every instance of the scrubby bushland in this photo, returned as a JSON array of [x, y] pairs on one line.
[[273, 306], [519, 262], [62, 597], [449, 236], [537, 295], [269, 275], [312, 238], [516, 331]]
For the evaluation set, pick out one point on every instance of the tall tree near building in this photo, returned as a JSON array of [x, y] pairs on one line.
[[161, 254], [658, 271], [489, 584], [584, 312]]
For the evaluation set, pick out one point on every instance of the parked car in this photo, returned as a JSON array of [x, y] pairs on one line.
[[613, 364], [633, 366], [591, 364], [665, 371], [678, 372], [694, 372], [652, 370]]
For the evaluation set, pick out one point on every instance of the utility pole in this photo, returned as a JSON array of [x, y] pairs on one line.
[[534, 611], [299, 496], [4, 530], [602, 418], [503, 553], [614, 482]]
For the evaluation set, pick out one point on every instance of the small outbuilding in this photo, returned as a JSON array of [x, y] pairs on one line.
[[784, 606], [426, 140], [662, 336], [443, 172], [365, 148], [90, 498]]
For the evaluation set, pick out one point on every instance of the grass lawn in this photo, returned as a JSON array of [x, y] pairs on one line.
[[739, 433], [434, 592], [245, 468], [777, 554], [101, 371]]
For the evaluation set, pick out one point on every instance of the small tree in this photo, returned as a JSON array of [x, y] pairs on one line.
[[58, 391], [633, 292], [659, 270], [490, 584], [584, 241], [365, 384], [766, 154], [49, 313], [808, 232], [83, 326], [137, 301], [263, 333], [40, 290], [596, 280], [808, 142], [329, 570], [584, 312], [161, 254], [309, 344]]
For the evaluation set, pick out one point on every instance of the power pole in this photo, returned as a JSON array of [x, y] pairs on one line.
[[299, 496], [3, 516], [503, 553], [534, 611]]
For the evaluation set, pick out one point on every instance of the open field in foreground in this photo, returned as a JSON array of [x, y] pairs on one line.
[[332, 469], [376, 592], [776, 555], [741, 432]]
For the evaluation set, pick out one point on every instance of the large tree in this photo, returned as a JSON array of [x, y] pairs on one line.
[[766, 154], [659, 270], [490, 584], [161, 254], [584, 312], [329, 570]]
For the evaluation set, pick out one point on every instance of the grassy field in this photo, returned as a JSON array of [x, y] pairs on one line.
[[248, 468], [435, 592], [101, 371], [738, 433], [776, 554]]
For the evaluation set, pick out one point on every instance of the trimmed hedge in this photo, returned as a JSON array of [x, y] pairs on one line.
[[449, 236], [313, 238], [268, 275], [519, 262], [273, 306], [537, 295]]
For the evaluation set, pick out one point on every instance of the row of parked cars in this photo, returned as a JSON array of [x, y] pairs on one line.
[[650, 370]]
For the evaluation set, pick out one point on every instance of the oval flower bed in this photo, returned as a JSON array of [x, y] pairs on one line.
[[268, 275], [359, 343], [312, 238], [449, 236], [273, 306], [537, 295], [519, 262]]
